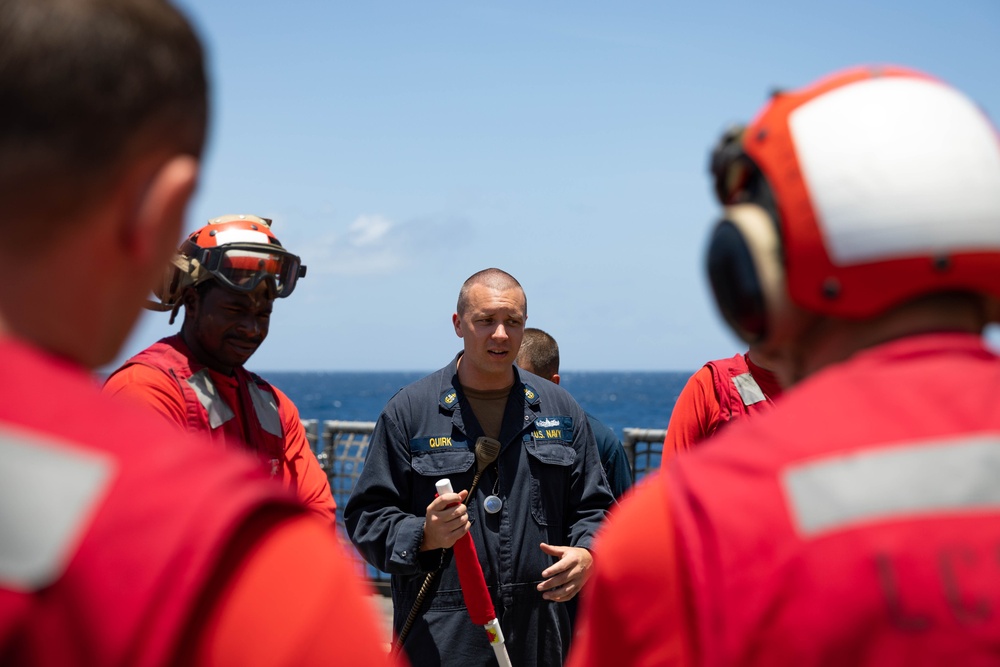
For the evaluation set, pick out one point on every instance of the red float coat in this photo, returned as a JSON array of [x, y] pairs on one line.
[[124, 544], [721, 391], [859, 524], [239, 411]]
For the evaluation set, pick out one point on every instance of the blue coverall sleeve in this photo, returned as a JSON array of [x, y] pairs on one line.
[[618, 470], [386, 535], [591, 496]]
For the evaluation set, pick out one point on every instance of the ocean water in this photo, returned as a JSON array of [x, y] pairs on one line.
[[619, 399]]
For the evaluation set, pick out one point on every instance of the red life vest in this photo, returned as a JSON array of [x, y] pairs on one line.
[[739, 394], [858, 531], [255, 424], [116, 524]]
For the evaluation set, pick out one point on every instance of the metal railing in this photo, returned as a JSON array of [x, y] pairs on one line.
[[644, 447], [341, 447]]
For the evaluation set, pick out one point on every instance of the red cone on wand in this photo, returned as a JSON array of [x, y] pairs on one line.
[[474, 590]]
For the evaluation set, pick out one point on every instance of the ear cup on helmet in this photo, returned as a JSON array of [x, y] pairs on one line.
[[179, 274], [167, 290], [735, 283], [746, 272]]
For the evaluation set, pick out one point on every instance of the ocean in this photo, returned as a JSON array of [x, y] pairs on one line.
[[620, 399]]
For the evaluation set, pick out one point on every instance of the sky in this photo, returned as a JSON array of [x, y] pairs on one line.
[[402, 146]]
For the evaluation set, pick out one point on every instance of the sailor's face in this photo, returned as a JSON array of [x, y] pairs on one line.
[[491, 328], [229, 326]]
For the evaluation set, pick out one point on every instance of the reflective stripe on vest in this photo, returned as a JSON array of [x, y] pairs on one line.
[[219, 412], [894, 483], [48, 493], [266, 408], [208, 395], [748, 389]]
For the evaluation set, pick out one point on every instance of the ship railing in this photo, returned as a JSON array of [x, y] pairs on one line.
[[644, 447], [341, 447]]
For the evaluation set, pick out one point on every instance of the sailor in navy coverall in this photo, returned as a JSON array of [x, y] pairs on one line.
[[549, 477]]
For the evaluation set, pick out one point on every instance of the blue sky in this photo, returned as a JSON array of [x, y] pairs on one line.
[[402, 146]]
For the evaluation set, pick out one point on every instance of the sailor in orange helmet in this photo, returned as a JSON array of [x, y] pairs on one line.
[[858, 523], [227, 275]]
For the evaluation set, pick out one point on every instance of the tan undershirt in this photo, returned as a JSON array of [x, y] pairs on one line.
[[489, 406]]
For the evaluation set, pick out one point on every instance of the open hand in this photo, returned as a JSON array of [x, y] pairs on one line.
[[565, 577]]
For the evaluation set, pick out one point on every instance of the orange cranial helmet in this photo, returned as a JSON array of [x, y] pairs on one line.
[[851, 196], [238, 251]]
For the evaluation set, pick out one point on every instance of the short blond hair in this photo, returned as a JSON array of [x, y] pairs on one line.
[[539, 353]]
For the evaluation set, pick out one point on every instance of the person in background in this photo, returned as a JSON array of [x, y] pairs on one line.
[[123, 542], [858, 522], [532, 516], [720, 392], [227, 275], [539, 354]]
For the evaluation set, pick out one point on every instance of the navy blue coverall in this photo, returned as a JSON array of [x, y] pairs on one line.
[[549, 477]]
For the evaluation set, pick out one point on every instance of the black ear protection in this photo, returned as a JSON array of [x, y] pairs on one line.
[[744, 260], [746, 272]]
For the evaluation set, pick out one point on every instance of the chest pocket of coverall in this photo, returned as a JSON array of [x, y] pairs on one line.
[[432, 466], [550, 463]]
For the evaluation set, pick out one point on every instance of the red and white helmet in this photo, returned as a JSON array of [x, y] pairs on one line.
[[239, 251], [858, 193]]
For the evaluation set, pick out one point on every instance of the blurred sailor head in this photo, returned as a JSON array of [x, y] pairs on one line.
[[103, 110], [857, 209]]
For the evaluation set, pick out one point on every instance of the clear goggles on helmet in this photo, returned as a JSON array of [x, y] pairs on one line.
[[242, 266]]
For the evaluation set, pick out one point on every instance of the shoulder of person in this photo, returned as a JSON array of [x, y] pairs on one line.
[[548, 394], [600, 429]]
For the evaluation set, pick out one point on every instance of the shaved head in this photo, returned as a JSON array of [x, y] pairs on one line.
[[494, 279]]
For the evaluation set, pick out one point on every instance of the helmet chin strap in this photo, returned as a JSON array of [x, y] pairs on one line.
[[173, 312], [157, 306]]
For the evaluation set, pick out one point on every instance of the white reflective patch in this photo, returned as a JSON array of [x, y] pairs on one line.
[[48, 494], [249, 254], [266, 409], [748, 389], [208, 395], [910, 158], [227, 236], [896, 483]]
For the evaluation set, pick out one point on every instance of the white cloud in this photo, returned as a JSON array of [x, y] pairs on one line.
[[368, 230], [373, 244]]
